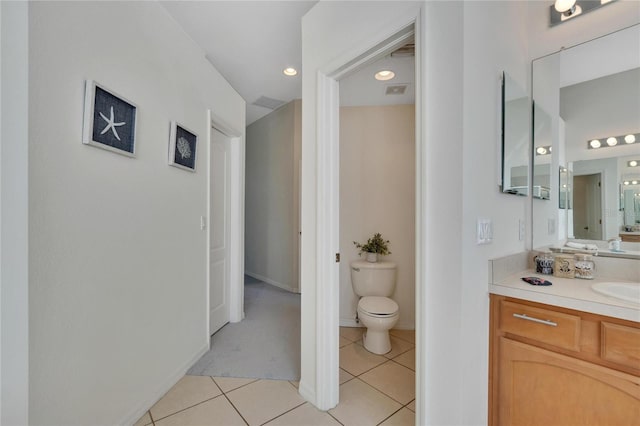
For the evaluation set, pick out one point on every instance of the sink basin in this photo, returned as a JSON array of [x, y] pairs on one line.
[[629, 292]]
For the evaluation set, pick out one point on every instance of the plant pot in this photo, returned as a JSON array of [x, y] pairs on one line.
[[372, 257]]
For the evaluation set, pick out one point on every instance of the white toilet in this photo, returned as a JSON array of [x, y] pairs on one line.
[[374, 283]]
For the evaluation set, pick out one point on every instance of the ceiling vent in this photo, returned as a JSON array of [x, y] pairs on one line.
[[396, 89], [270, 103], [406, 51]]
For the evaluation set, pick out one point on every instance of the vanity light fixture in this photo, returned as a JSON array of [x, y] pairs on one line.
[[612, 141], [543, 150], [633, 163], [384, 75], [563, 10]]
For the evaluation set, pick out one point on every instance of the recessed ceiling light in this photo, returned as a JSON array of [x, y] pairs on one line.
[[630, 138], [612, 141], [595, 143], [633, 163], [634, 182], [541, 150], [626, 182], [385, 75], [290, 71]]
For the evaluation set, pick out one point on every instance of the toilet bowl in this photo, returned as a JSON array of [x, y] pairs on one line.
[[375, 283], [378, 315]]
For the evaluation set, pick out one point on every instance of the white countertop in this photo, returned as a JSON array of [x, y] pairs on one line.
[[567, 293]]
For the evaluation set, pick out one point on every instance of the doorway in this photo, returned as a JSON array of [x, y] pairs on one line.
[[326, 157], [587, 207]]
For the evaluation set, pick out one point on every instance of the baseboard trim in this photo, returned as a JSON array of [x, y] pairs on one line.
[[272, 282], [137, 412]]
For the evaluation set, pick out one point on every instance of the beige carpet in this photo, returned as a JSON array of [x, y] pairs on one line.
[[265, 345]]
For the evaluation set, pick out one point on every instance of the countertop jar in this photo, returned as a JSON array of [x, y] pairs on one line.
[[544, 263], [584, 266], [564, 266]]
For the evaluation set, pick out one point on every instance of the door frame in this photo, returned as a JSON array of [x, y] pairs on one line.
[[328, 207], [236, 216]]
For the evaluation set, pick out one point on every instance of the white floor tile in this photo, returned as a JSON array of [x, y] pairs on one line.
[[189, 391], [264, 400], [362, 405], [355, 359], [403, 417], [393, 380], [215, 412], [306, 415]]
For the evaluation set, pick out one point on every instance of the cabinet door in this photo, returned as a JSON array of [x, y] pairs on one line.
[[539, 387]]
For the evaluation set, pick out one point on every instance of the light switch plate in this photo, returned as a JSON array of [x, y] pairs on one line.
[[484, 231]]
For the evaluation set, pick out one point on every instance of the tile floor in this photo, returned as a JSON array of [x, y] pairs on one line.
[[374, 390]]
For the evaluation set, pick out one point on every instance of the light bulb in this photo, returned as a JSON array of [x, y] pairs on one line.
[[633, 163], [564, 6], [385, 75], [612, 141], [541, 150], [626, 182], [630, 138], [290, 71], [634, 182], [595, 143]]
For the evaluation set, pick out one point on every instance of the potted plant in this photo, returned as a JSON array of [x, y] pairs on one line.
[[373, 247]]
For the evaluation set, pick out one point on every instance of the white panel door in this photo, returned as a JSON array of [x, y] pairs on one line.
[[219, 208]]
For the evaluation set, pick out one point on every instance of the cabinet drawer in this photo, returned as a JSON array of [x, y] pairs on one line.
[[620, 344], [555, 328]]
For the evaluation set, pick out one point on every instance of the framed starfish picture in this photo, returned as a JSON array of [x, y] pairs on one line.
[[109, 120], [182, 147]]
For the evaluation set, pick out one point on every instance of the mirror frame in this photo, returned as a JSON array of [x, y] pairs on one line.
[[505, 187]]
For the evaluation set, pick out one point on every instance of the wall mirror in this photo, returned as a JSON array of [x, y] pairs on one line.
[[515, 137], [582, 94]]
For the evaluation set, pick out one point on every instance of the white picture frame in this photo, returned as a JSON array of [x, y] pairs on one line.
[[109, 120], [182, 147]]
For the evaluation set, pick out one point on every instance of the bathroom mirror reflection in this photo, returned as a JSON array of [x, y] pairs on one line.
[[581, 94], [515, 137]]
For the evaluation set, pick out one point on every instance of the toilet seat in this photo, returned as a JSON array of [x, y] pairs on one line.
[[377, 306]]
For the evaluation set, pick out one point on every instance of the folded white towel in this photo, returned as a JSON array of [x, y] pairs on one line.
[[576, 245]]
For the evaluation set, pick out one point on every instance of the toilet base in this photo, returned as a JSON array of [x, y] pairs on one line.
[[377, 342]]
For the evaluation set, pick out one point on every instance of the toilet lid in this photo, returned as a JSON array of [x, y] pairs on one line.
[[377, 305]]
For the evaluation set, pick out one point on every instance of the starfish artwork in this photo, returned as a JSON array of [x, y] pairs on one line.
[[111, 124]]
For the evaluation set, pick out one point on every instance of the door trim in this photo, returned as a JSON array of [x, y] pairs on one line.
[[236, 216], [327, 210]]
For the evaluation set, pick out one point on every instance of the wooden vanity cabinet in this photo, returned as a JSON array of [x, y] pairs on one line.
[[557, 366], [630, 238]]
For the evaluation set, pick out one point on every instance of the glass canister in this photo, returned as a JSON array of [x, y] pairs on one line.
[[584, 266], [544, 263], [564, 266]]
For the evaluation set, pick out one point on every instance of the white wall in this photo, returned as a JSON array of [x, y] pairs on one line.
[[377, 194], [14, 290], [117, 260], [272, 200], [495, 39]]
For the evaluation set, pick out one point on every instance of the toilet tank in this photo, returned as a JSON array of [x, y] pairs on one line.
[[373, 279]]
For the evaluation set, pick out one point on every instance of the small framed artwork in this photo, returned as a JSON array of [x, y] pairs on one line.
[[109, 120], [182, 147]]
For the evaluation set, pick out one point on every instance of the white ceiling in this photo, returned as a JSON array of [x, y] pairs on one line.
[[361, 88], [249, 43]]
